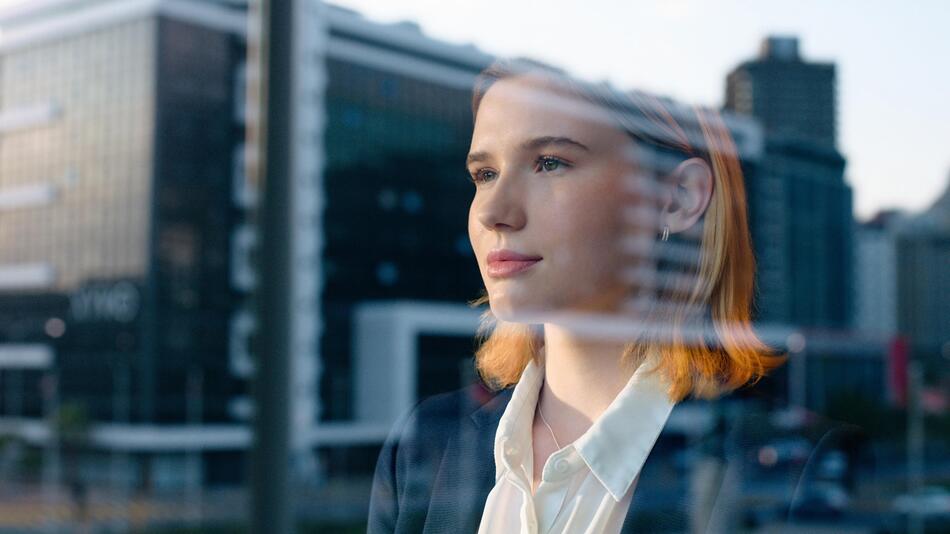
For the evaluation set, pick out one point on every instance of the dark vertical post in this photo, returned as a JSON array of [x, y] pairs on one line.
[[272, 510]]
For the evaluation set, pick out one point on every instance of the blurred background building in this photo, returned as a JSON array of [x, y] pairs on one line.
[[800, 203], [800, 209], [923, 280], [120, 128], [791, 97], [902, 259]]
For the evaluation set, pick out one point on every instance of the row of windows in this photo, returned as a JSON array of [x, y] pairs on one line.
[[96, 154]]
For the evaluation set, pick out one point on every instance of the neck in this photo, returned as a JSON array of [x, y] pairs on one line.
[[582, 376]]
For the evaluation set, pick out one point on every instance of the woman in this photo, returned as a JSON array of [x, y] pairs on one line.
[[613, 244]]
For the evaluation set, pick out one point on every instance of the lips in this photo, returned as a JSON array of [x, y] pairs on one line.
[[505, 263]]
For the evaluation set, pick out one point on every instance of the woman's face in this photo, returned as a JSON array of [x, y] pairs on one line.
[[550, 175]]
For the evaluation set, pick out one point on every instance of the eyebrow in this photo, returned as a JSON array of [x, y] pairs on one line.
[[531, 144]]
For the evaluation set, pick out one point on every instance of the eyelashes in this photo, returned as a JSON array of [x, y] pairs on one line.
[[482, 175], [544, 164]]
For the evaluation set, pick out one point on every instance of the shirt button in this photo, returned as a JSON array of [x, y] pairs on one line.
[[512, 451], [562, 465]]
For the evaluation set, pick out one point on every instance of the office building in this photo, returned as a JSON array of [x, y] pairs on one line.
[[793, 98], [800, 204], [923, 283], [119, 128]]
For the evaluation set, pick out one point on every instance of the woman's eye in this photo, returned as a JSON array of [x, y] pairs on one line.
[[550, 163], [483, 175], [542, 164]]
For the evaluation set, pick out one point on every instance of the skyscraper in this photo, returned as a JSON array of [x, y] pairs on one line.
[[799, 202], [793, 98]]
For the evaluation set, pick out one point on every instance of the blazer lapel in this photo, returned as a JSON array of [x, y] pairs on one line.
[[665, 499], [466, 474], [654, 508]]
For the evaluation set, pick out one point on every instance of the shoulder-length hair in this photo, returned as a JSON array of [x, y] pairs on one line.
[[701, 338]]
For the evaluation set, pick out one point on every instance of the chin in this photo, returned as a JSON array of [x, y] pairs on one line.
[[505, 310]]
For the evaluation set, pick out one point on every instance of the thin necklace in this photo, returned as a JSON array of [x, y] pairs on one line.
[[543, 420]]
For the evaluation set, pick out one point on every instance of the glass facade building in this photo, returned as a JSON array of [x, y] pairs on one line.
[[118, 136], [89, 154], [395, 222]]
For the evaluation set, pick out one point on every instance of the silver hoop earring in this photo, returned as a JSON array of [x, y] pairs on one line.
[[666, 233]]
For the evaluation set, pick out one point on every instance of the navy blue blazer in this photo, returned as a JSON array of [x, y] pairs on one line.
[[437, 467]]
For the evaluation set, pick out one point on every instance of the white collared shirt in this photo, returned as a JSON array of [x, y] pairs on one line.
[[586, 486]]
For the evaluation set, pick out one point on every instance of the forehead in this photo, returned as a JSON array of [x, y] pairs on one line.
[[527, 106]]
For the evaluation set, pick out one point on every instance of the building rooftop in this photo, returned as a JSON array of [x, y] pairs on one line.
[[782, 48]]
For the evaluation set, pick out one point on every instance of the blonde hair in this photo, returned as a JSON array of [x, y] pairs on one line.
[[729, 355]]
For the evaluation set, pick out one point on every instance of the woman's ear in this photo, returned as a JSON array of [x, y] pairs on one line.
[[688, 196]]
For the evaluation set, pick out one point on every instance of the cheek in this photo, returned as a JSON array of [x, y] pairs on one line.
[[475, 230], [586, 225]]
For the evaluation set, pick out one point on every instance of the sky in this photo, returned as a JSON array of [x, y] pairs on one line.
[[893, 79]]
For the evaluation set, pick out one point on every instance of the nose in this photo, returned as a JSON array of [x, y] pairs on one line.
[[501, 207]]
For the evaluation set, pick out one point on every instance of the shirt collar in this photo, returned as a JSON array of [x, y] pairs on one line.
[[513, 436], [615, 447]]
